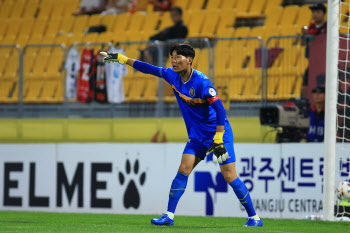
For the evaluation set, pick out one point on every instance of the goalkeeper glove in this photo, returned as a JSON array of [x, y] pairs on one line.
[[220, 153], [114, 57]]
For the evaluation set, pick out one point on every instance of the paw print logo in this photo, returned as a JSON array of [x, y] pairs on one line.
[[131, 193]]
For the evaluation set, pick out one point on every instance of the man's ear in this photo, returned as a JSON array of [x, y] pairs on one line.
[[190, 59]]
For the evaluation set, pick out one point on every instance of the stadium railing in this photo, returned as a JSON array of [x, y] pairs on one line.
[[245, 71]]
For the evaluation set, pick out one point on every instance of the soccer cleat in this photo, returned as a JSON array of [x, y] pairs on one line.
[[253, 223], [163, 220]]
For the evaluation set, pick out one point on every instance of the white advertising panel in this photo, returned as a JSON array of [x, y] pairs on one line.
[[285, 180]]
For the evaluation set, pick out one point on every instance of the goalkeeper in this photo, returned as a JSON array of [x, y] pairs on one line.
[[207, 126]]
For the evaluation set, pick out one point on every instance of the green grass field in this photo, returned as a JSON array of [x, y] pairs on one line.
[[62, 222]]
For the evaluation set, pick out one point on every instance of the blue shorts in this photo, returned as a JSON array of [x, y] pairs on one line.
[[199, 147]]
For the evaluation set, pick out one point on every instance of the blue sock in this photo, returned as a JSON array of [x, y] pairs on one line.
[[243, 196], [177, 189]]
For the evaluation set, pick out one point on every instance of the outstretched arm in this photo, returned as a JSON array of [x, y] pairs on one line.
[[137, 65]]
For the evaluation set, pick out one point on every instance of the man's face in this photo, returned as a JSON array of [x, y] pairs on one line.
[[319, 98], [318, 16], [175, 17], [179, 62]]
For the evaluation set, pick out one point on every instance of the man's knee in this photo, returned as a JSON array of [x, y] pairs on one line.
[[185, 169], [229, 176]]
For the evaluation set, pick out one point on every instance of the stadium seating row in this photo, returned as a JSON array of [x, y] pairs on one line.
[[47, 21]]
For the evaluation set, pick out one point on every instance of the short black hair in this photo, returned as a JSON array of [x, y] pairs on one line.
[[177, 9], [183, 49]]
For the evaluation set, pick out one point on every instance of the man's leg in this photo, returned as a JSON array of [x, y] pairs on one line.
[[241, 191], [178, 186], [188, 163]]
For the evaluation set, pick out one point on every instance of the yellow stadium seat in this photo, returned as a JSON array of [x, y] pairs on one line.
[[8, 91], [58, 11], [62, 39], [18, 9], [289, 15], [48, 39], [182, 3], [46, 8], [136, 22], [30, 10], [122, 22], [52, 91], [304, 17], [80, 24], [3, 27], [168, 92], [222, 60], [40, 64], [242, 6], [236, 87], [286, 87], [272, 86], [70, 6], [94, 20], [196, 23], [273, 16], [289, 30], [211, 22], [33, 91], [75, 38], [272, 4], [257, 7], [137, 89], [196, 4], [227, 20], [67, 24], [151, 21], [2, 64], [90, 37], [228, 4], [26, 27], [186, 16], [241, 32], [55, 63], [28, 61], [108, 21], [52, 28], [213, 4], [6, 9], [11, 70], [151, 89], [203, 64], [13, 29], [258, 31], [105, 37]]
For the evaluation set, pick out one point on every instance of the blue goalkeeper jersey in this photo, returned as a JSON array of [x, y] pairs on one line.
[[194, 98]]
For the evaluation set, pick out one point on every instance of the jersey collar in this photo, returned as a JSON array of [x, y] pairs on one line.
[[188, 78]]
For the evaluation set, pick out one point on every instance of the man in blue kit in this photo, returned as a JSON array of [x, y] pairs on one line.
[[207, 126]]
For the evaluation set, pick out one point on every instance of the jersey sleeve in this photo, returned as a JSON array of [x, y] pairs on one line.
[[167, 74], [209, 92]]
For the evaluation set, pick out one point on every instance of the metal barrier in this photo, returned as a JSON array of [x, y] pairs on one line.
[[286, 64], [243, 70]]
